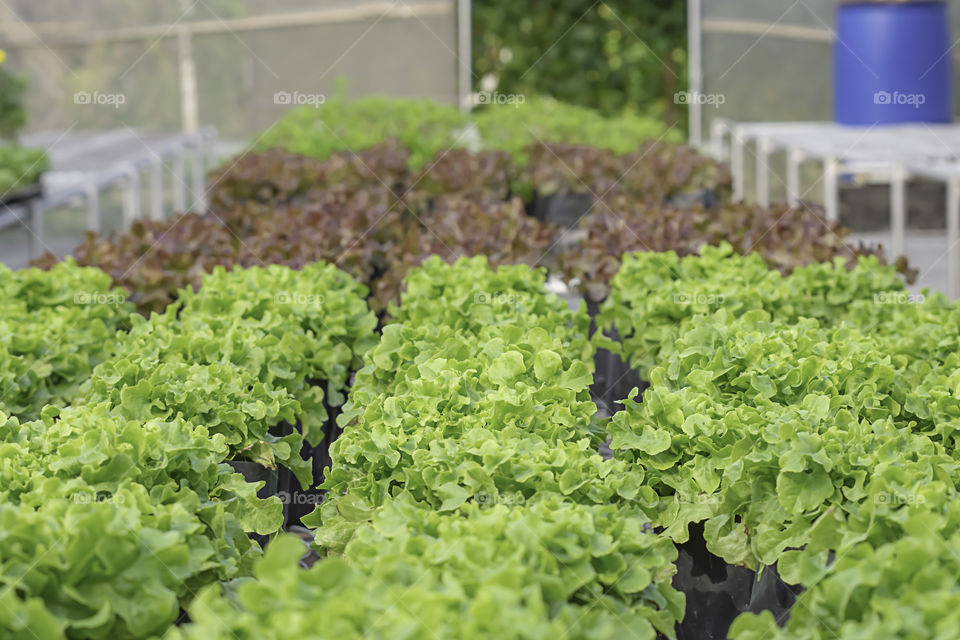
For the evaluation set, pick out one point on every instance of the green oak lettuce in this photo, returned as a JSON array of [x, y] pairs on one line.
[[55, 327], [113, 524]]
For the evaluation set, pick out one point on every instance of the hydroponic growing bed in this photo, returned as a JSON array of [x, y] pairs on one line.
[[790, 467]]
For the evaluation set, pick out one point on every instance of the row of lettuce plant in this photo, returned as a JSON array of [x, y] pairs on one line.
[[895, 572], [110, 524], [251, 350], [116, 510], [806, 422], [370, 215], [787, 238], [655, 295], [467, 498], [426, 127]]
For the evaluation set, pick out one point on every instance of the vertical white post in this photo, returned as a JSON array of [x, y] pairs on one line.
[[694, 47], [189, 110], [763, 172], [831, 186], [464, 55], [898, 211], [953, 235], [737, 167], [794, 159]]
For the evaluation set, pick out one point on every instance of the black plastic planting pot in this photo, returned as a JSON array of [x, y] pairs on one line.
[[771, 593], [299, 502], [706, 198], [716, 592], [253, 472], [614, 378], [562, 209]]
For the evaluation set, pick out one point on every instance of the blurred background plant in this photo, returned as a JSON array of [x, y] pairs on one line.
[[12, 114], [19, 167], [611, 55]]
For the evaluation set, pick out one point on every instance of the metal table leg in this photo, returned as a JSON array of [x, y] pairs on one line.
[[37, 230], [831, 194], [131, 197], [794, 160], [953, 235], [92, 196], [898, 211], [179, 182], [737, 164], [717, 129], [763, 172], [199, 185], [156, 189]]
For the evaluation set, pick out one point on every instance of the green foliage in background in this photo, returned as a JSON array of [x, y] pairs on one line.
[[422, 126], [425, 127], [606, 55], [20, 167], [12, 114], [514, 127]]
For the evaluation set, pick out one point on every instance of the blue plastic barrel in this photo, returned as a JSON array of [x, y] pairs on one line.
[[892, 63]]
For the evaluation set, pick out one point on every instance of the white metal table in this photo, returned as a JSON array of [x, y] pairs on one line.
[[948, 173], [888, 154], [85, 163]]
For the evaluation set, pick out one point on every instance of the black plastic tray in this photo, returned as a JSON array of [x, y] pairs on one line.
[[563, 209], [22, 195]]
